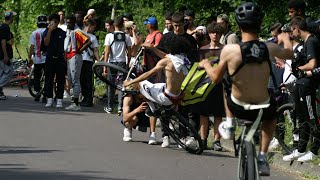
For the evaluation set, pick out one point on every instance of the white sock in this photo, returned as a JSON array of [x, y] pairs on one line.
[[229, 121]]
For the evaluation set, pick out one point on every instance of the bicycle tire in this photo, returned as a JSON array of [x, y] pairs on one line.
[[32, 92], [98, 70], [242, 164], [287, 148], [251, 163], [178, 122]]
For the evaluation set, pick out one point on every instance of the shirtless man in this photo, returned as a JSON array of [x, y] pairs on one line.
[[251, 74]]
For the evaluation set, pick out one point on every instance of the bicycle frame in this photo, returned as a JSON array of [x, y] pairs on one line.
[[248, 130]]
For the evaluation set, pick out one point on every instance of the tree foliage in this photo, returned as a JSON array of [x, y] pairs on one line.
[[206, 11]]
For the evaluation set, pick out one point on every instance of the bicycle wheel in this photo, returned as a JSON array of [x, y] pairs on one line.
[[32, 91], [247, 165], [286, 126], [180, 130], [98, 70]]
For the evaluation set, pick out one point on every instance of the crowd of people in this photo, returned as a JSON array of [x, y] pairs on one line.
[[66, 46]]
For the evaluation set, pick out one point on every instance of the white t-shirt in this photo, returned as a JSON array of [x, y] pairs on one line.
[[118, 48], [63, 26], [87, 54], [289, 81], [36, 39]]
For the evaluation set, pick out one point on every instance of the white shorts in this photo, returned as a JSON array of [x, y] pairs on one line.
[[154, 92]]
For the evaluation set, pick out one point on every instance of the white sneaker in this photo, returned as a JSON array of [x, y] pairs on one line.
[[309, 156], [49, 102], [274, 144], [73, 107], [127, 135], [226, 130], [293, 156], [66, 95], [191, 142], [152, 139], [59, 103], [165, 142]]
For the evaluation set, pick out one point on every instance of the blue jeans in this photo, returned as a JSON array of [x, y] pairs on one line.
[[6, 73]]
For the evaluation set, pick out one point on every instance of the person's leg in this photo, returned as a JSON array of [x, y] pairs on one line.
[[49, 77], [204, 124], [76, 78], [37, 75], [216, 135], [60, 69], [111, 91], [6, 74], [267, 128], [83, 82]]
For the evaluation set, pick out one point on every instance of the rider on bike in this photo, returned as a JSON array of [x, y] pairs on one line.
[[249, 64]]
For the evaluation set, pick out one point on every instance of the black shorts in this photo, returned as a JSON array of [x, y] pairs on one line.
[[213, 105], [251, 115], [143, 120]]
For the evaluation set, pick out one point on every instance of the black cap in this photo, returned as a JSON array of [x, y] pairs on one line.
[[42, 19]]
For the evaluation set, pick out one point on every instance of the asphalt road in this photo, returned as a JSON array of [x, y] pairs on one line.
[[39, 143]]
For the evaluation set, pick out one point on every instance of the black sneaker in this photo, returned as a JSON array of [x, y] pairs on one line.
[[217, 145], [263, 167], [44, 100], [2, 96], [204, 144]]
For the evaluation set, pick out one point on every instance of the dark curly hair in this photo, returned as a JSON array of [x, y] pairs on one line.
[[214, 27]]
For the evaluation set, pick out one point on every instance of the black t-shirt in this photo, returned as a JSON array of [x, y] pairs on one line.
[[179, 44], [310, 51], [5, 34], [56, 45]]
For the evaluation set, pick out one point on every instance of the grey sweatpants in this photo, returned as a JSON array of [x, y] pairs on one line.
[[6, 73], [74, 71]]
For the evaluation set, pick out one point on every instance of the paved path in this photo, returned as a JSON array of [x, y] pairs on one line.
[[39, 143]]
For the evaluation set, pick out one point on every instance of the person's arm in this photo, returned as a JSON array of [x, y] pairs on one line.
[[106, 53], [157, 51], [129, 53], [96, 53], [309, 66], [160, 65], [4, 50], [31, 52], [216, 73], [85, 45], [282, 53], [48, 36], [128, 114]]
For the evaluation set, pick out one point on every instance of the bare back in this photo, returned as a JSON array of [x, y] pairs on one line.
[[251, 81], [173, 78]]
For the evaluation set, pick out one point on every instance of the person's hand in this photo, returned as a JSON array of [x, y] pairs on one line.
[[52, 26], [134, 28], [204, 61], [284, 36], [142, 107], [146, 45], [126, 83]]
